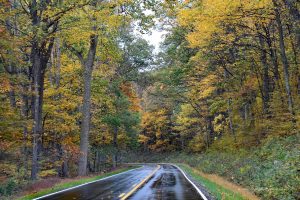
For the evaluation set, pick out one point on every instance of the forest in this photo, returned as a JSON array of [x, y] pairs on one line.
[[82, 91]]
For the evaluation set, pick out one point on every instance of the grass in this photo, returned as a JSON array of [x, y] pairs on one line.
[[216, 190], [62, 186]]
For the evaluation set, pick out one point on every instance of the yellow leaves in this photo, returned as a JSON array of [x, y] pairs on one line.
[[158, 118], [204, 88], [219, 123], [104, 70], [205, 19], [257, 4], [48, 173], [101, 20], [61, 103], [155, 127], [197, 144], [145, 118], [104, 137], [184, 118], [143, 139], [188, 17], [4, 85], [250, 85], [7, 169]]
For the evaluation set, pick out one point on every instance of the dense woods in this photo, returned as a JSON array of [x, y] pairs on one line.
[[81, 90], [232, 75]]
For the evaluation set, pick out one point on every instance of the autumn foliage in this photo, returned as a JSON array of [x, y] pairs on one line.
[[80, 88]]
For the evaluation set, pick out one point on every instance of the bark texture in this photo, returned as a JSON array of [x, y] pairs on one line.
[[86, 115], [284, 59]]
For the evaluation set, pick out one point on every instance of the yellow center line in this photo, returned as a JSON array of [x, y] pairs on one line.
[[121, 195], [140, 184]]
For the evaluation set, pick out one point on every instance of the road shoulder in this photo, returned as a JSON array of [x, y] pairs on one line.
[[215, 187]]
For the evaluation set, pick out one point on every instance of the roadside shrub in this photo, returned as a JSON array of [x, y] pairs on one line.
[[271, 170], [48, 173], [8, 188]]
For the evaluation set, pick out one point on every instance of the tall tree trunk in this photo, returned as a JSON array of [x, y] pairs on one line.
[[12, 97], [284, 58], [38, 87], [85, 126], [41, 47], [257, 75], [25, 115], [229, 111], [295, 14], [57, 62], [116, 150], [11, 69], [265, 77], [298, 85], [63, 168], [295, 58], [39, 60], [210, 130], [292, 6], [273, 55]]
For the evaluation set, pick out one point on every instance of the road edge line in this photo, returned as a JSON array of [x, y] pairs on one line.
[[193, 184], [131, 192], [71, 188]]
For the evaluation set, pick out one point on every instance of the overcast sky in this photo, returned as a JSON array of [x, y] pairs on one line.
[[155, 38]]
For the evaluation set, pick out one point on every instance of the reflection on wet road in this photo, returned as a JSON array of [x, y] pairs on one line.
[[168, 183], [110, 188]]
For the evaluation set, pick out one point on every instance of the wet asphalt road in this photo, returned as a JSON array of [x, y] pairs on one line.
[[168, 183]]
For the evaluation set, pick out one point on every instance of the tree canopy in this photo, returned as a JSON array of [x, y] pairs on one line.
[[80, 86]]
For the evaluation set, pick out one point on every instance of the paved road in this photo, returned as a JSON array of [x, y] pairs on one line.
[[168, 183]]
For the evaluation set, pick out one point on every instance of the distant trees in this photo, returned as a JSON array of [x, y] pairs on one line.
[[230, 72]]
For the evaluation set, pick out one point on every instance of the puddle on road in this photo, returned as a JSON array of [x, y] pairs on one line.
[[165, 180], [168, 184]]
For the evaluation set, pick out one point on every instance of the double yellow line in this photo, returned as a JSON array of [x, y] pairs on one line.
[[125, 196]]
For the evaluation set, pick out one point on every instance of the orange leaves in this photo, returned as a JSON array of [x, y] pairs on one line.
[[128, 89]]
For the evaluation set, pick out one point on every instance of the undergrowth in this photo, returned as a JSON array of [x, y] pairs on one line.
[[271, 170]]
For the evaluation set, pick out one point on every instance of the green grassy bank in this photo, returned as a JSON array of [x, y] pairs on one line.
[[270, 171]]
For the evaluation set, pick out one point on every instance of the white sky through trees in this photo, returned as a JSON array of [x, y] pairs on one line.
[[155, 37]]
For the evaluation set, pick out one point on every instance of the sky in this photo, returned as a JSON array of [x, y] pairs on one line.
[[155, 38]]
